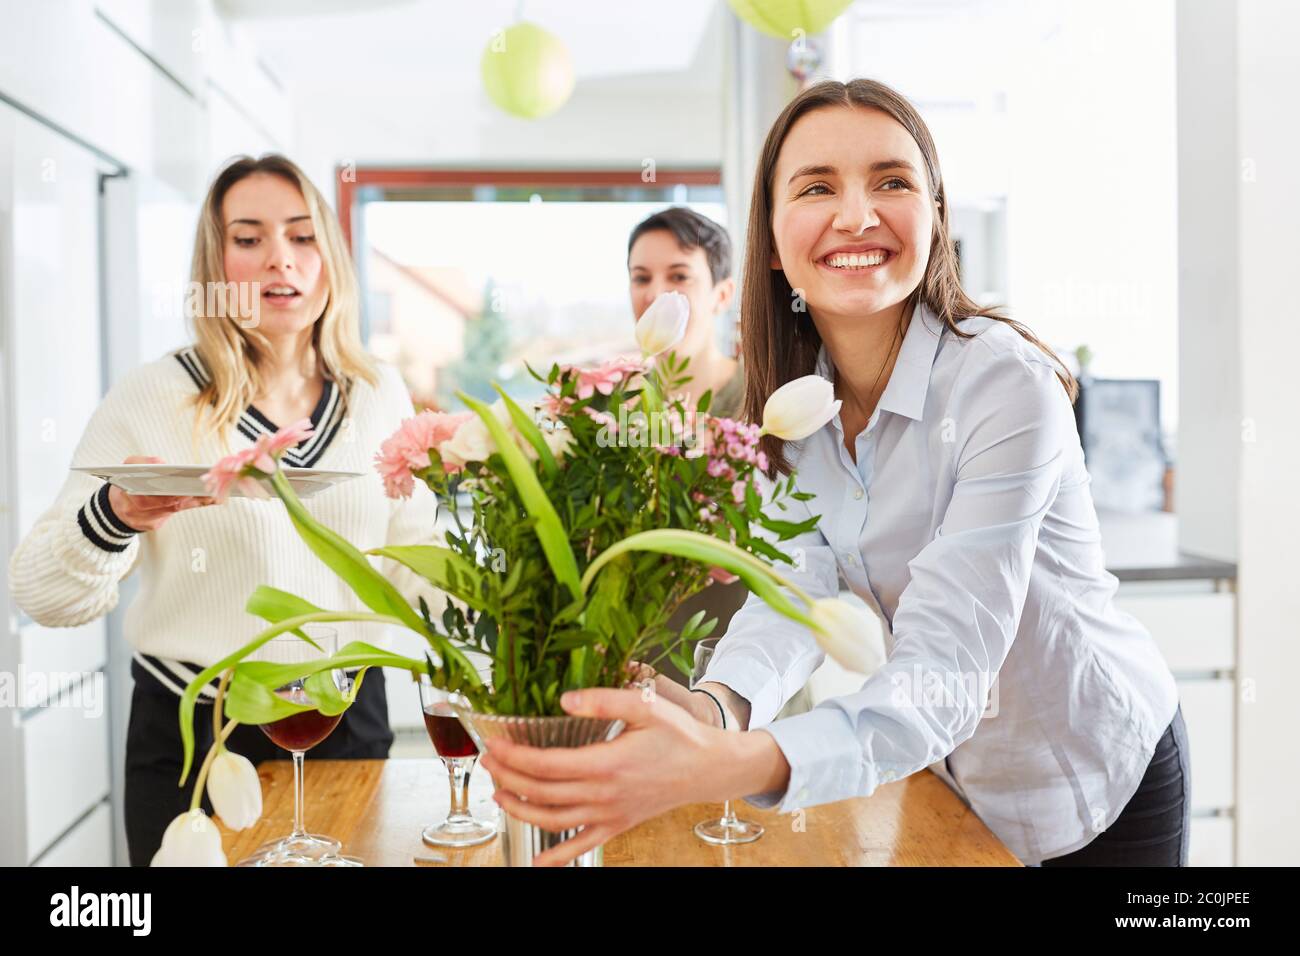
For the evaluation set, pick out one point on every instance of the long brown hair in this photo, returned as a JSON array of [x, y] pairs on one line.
[[780, 343], [236, 356]]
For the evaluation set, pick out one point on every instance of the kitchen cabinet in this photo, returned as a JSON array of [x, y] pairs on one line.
[[1194, 624]]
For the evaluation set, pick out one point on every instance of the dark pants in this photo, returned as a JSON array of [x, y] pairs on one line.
[[1152, 829], [154, 754]]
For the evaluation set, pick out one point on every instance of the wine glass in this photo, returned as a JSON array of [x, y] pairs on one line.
[[297, 734], [729, 829], [459, 754]]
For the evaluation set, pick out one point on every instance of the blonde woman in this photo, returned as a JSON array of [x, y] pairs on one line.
[[278, 342]]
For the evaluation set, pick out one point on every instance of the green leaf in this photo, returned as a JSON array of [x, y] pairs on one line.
[[441, 567], [375, 591], [526, 427], [185, 710], [688, 630], [786, 529], [251, 697], [549, 530], [273, 605], [760, 578], [684, 660], [512, 579]]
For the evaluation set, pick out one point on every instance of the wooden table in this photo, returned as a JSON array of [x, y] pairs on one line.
[[378, 807]]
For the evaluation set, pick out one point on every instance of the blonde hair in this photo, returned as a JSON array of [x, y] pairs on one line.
[[234, 356]]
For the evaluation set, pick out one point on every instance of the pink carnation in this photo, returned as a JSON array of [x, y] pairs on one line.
[[407, 449], [606, 377], [555, 407], [237, 470]]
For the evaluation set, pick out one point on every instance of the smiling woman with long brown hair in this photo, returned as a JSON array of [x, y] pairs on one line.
[[953, 500], [279, 344]]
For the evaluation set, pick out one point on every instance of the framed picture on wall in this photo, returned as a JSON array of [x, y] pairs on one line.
[[1119, 426]]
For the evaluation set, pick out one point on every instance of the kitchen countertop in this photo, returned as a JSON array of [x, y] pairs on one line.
[[377, 809], [1143, 546]]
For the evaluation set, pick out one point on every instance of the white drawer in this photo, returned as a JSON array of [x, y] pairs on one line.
[[89, 844], [1208, 714], [1193, 631], [54, 657], [1211, 842], [66, 772]]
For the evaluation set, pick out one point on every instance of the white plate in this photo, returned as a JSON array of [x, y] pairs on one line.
[[158, 479]]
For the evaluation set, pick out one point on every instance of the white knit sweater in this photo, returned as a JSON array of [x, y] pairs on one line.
[[198, 569]]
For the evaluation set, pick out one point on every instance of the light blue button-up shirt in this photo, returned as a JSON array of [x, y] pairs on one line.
[[967, 523]]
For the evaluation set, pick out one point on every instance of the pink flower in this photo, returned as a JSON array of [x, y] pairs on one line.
[[738, 492], [723, 576], [555, 407], [407, 449], [230, 472], [602, 418], [288, 437], [606, 377], [242, 468]]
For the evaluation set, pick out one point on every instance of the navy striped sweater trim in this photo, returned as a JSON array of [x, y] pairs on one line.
[[171, 677], [326, 417], [101, 526]]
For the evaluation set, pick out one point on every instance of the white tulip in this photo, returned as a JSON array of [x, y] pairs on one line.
[[559, 440], [850, 634], [190, 840], [663, 325], [235, 790], [797, 409]]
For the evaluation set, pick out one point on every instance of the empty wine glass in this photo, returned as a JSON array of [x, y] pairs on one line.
[[729, 829], [297, 734]]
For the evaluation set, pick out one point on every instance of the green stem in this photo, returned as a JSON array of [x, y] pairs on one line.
[[218, 705]]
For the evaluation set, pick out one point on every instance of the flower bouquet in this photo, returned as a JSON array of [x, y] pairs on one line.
[[580, 525]]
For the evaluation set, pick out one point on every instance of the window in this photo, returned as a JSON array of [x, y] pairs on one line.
[[466, 277]]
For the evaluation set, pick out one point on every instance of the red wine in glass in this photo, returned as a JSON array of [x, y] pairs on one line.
[[298, 733], [447, 732], [301, 731], [459, 753]]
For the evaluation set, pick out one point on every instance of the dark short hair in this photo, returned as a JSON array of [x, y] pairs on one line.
[[692, 231]]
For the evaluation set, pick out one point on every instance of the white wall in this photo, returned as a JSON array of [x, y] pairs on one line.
[[1207, 479], [1064, 109], [155, 90], [1092, 190], [1269, 208]]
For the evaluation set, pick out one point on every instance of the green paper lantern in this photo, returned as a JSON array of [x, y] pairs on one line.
[[781, 18], [527, 71]]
